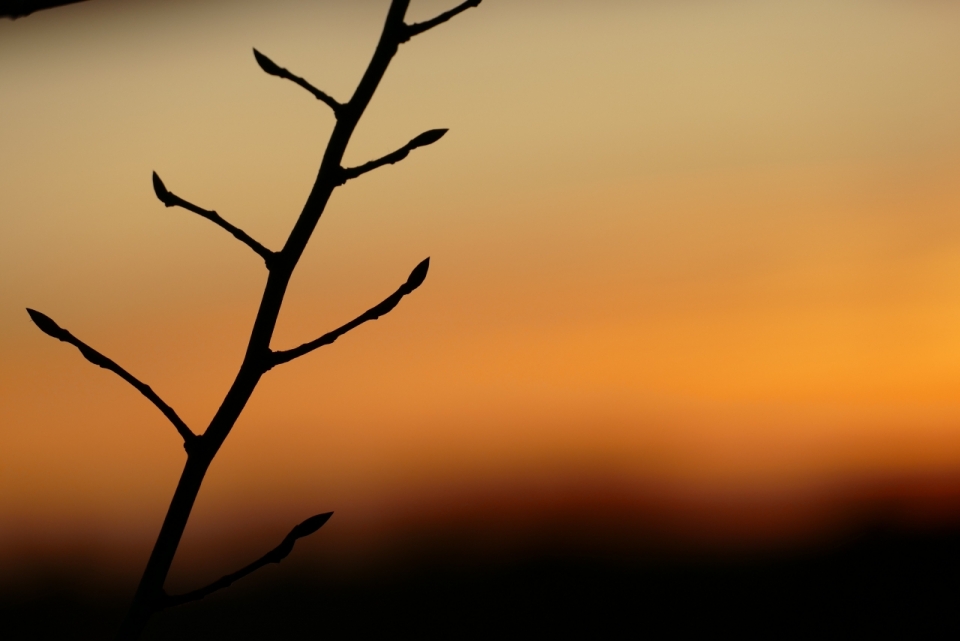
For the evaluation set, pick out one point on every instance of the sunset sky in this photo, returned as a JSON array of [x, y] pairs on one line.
[[686, 253]]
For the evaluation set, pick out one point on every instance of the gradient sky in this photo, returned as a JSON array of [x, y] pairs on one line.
[[706, 247]]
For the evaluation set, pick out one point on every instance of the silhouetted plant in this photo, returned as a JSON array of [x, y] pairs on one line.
[[259, 358]]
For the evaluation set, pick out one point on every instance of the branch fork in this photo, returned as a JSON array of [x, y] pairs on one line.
[[150, 596]]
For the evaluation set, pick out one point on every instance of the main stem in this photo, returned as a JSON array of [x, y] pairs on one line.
[[256, 361]]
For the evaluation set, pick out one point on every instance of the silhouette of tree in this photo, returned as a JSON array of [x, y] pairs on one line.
[[259, 358]]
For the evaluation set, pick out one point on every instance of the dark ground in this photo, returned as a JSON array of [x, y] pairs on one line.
[[886, 581]]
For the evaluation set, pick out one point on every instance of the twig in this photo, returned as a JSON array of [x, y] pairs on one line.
[[170, 199], [424, 139], [416, 29], [275, 555], [274, 69], [50, 328], [416, 278]]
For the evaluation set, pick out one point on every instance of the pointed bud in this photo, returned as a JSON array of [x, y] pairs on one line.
[[267, 64], [45, 323], [160, 190], [418, 274], [427, 138], [311, 525]]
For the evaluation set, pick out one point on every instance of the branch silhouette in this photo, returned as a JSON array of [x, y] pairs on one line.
[[272, 68], [170, 199], [14, 9], [417, 28], [259, 358], [417, 276], [275, 555], [424, 139], [50, 328]]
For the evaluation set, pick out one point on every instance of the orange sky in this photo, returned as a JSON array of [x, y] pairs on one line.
[[707, 247]]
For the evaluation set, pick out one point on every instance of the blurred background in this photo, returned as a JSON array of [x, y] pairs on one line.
[[693, 305]]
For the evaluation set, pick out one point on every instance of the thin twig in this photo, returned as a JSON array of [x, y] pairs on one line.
[[424, 139], [170, 199], [272, 68], [275, 555], [416, 278], [416, 29], [50, 328]]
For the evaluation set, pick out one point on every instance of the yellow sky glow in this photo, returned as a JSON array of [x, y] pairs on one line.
[[713, 246]]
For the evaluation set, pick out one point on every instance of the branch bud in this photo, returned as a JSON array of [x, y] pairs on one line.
[[418, 274], [268, 65], [427, 138], [45, 323], [161, 190], [311, 525]]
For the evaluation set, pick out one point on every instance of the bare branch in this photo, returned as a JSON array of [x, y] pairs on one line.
[[275, 555], [416, 278], [274, 69], [424, 139], [172, 200], [416, 29], [50, 328], [19, 8]]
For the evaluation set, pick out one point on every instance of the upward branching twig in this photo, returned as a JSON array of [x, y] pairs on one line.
[[170, 199], [259, 358], [424, 139], [275, 555], [50, 328], [272, 68], [415, 279], [419, 27]]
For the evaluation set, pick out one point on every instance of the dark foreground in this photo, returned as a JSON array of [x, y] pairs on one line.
[[892, 582]]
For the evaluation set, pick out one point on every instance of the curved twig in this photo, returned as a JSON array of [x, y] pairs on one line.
[[416, 278], [275, 555], [424, 139], [170, 199], [50, 328], [272, 68]]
